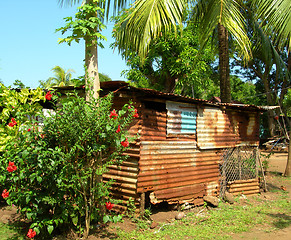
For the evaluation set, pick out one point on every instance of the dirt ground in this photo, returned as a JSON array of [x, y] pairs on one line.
[[163, 216], [277, 165]]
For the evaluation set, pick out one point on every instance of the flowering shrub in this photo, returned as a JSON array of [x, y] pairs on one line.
[[54, 175]]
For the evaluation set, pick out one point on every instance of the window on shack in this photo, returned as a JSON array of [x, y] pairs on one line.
[[181, 118]]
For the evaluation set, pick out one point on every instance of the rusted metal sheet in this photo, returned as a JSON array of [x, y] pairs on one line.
[[217, 128], [176, 171], [246, 126], [246, 187], [214, 129]]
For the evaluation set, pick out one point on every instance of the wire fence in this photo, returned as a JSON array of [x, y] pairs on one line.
[[238, 163]]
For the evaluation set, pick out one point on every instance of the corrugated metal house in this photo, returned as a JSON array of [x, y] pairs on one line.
[[178, 152]]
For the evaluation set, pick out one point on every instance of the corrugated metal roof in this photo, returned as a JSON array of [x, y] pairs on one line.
[[121, 85], [114, 85]]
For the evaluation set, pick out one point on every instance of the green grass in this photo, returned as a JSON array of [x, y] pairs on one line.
[[222, 222], [10, 232]]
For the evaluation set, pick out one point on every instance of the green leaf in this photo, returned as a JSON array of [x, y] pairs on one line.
[[106, 218], [29, 215], [27, 199], [50, 229], [36, 229], [75, 220], [39, 179]]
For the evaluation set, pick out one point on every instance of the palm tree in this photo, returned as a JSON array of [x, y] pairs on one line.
[[276, 15], [61, 78]]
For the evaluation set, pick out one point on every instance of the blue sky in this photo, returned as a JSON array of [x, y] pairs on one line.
[[29, 46]]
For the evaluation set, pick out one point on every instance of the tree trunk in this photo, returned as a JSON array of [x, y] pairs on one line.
[[288, 165], [225, 91], [91, 63], [170, 84]]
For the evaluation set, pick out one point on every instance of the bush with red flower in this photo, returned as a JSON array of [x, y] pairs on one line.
[[54, 174]]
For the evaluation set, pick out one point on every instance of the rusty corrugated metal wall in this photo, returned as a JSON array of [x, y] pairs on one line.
[[174, 166], [171, 168], [223, 129]]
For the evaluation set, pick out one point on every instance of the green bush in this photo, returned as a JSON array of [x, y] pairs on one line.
[[53, 173]]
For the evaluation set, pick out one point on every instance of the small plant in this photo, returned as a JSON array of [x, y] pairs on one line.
[[147, 213], [266, 161], [131, 208]]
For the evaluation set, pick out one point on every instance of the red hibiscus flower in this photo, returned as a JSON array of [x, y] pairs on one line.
[[135, 113], [48, 96], [31, 233], [118, 129], [113, 114], [125, 143], [109, 205], [11, 167], [5, 193], [12, 123]]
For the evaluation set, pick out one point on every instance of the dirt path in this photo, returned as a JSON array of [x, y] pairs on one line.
[[277, 162]]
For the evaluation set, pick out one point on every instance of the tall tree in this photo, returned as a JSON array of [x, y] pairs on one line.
[[150, 17], [87, 25]]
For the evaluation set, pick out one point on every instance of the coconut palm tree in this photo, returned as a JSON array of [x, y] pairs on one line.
[[61, 78]]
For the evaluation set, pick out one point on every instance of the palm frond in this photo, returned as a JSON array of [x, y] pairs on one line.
[[210, 13], [265, 49], [275, 18], [65, 3], [148, 19]]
